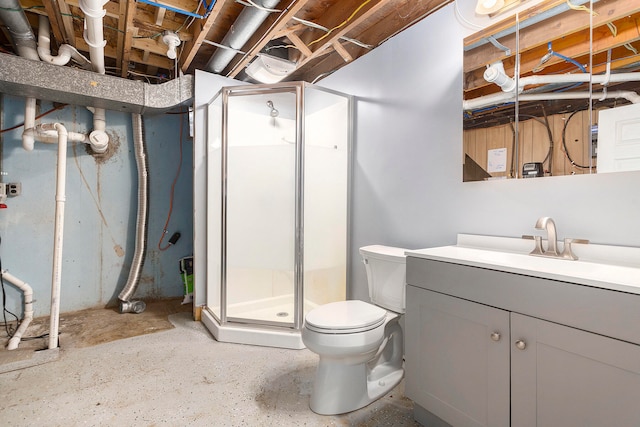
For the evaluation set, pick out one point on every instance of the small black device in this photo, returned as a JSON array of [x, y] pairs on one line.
[[532, 170]]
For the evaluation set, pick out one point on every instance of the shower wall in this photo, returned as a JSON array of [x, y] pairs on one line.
[[325, 209], [261, 206]]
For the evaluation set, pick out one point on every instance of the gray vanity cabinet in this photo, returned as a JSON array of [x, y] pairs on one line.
[[480, 363], [454, 368], [568, 377]]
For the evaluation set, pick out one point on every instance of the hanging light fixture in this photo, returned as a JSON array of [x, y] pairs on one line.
[[269, 69], [172, 41], [488, 7]]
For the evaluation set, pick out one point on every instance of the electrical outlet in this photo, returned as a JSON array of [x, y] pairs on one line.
[[13, 189]]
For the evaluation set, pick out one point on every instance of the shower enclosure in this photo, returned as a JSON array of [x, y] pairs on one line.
[[277, 209]]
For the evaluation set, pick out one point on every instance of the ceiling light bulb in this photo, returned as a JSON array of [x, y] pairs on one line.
[[172, 41], [487, 7]]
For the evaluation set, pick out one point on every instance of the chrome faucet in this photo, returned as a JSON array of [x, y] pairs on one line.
[[552, 237], [546, 223]]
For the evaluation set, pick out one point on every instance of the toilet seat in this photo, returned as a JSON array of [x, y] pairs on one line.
[[345, 317]]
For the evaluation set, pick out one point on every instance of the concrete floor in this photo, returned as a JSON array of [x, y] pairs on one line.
[[178, 377]]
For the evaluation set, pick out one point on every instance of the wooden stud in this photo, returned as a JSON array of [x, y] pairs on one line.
[[342, 51], [200, 32], [298, 43], [129, 32]]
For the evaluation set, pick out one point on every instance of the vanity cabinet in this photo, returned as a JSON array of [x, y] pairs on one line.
[[477, 358]]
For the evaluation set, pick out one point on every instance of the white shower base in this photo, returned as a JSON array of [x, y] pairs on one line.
[[266, 309]]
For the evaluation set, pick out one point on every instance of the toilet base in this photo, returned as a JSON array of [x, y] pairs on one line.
[[340, 388]]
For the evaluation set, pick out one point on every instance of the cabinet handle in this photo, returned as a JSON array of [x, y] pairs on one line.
[[521, 345], [495, 336]]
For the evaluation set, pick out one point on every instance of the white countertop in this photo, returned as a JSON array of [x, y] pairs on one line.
[[616, 271]]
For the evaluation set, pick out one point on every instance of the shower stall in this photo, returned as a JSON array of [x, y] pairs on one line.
[[278, 162]]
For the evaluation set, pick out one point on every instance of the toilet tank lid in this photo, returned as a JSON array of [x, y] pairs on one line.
[[343, 315], [381, 251]]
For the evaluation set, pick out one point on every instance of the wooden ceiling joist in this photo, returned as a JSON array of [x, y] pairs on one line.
[[264, 35], [60, 21], [129, 32], [201, 29], [341, 27]]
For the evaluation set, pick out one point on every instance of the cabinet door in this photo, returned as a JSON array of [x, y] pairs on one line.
[[455, 368], [568, 377]]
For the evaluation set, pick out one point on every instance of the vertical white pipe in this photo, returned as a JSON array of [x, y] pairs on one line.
[[58, 234], [29, 123], [94, 12], [93, 32], [28, 308]]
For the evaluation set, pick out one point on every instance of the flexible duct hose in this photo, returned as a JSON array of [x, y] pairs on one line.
[[127, 306]]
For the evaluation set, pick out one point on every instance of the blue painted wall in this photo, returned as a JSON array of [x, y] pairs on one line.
[[100, 210]]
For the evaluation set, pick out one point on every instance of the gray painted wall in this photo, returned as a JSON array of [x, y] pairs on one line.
[[100, 210], [407, 178]]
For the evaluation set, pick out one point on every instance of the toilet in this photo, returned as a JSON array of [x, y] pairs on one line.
[[360, 344]]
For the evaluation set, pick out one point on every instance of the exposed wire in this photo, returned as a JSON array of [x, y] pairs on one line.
[[320, 27], [257, 6], [173, 187], [564, 142], [281, 46], [581, 8], [630, 47], [341, 24], [58, 107]]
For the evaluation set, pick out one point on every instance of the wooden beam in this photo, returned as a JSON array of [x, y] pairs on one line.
[[264, 35], [160, 15], [334, 18], [299, 44], [55, 20], [342, 51], [200, 30], [122, 22], [112, 8], [129, 32], [551, 29]]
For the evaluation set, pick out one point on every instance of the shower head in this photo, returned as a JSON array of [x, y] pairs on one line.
[[274, 113]]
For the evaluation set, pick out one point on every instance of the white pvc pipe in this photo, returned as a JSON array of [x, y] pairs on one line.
[[50, 136], [93, 33], [98, 138], [502, 97], [28, 308], [58, 232], [498, 98], [94, 12], [65, 52], [29, 123]]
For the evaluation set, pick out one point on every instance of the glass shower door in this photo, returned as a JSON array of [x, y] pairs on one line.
[[260, 207]]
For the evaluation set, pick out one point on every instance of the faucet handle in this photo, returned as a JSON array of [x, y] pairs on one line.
[[538, 249], [567, 253]]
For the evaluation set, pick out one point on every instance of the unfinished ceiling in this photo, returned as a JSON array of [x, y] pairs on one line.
[[319, 36], [562, 43]]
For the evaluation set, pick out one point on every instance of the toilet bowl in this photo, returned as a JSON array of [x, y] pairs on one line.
[[360, 345]]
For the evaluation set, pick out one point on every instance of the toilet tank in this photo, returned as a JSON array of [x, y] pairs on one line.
[[386, 276]]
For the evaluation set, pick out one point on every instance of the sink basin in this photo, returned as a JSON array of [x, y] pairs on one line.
[[602, 266]]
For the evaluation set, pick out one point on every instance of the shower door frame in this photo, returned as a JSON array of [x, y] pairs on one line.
[[298, 269]]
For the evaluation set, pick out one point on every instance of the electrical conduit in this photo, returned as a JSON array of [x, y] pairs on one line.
[[126, 304]]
